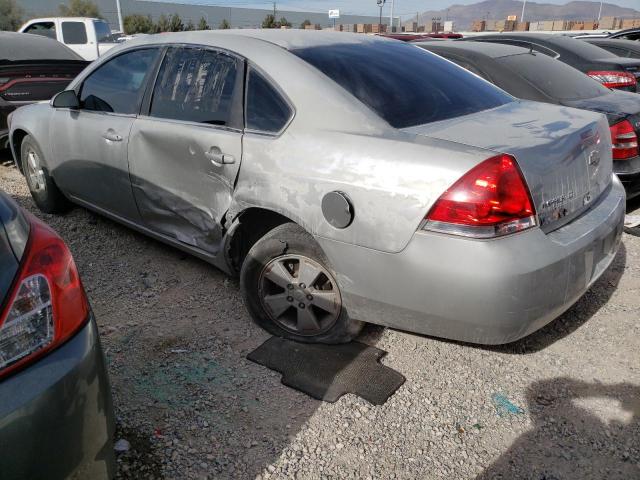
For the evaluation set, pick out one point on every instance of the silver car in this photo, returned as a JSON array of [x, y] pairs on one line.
[[345, 178]]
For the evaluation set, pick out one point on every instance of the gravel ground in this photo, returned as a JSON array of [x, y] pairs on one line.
[[561, 404]]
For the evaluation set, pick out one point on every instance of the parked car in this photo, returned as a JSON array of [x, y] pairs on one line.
[[529, 75], [349, 178], [88, 37], [32, 69], [56, 417], [621, 48], [628, 34], [610, 70], [412, 37]]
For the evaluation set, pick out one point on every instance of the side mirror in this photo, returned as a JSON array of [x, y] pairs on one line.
[[66, 99]]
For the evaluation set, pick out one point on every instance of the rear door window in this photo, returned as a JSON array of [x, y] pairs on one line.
[[196, 85], [118, 85], [403, 84], [267, 111], [46, 29], [74, 33]]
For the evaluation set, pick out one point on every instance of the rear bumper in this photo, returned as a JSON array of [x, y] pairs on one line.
[[56, 416], [487, 292]]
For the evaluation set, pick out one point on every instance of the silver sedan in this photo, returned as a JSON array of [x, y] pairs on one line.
[[345, 178]]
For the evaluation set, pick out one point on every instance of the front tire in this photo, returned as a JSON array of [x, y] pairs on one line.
[[46, 194], [291, 291]]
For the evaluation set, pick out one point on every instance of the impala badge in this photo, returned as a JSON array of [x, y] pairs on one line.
[[594, 158]]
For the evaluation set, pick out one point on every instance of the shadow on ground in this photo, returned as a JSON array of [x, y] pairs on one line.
[[581, 431]]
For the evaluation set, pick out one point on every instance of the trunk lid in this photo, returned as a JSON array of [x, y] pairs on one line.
[[563, 153]]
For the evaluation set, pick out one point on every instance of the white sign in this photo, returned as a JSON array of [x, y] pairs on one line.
[[334, 13]]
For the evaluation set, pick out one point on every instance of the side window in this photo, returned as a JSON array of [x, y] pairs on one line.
[[196, 85], [266, 109], [103, 32], [46, 29], [74, 33], [118, 85]]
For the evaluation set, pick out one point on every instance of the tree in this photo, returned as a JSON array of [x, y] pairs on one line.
[[202, 24], [162, 25], [189, 26], [283, 23], [224, 25], [80, 8], [138, 24], [10, 15], [305, 23], [175, 23], [269, 22]]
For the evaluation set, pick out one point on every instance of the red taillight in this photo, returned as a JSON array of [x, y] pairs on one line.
[[613, 79], [490, 200], [623, 140], [47, 304]]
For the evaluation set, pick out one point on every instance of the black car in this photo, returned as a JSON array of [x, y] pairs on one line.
[[621, 48], [56, 415], [628, 34], [530, 75], [610, 70], [32, 68]]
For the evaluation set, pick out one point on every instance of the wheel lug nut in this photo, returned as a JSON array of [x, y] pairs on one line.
[[302, 285], [289, 299], [309, 297], [301, 305]]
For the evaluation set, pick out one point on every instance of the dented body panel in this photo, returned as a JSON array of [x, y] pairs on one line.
[[160, 180]]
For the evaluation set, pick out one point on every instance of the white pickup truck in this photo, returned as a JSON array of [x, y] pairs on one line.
[[88, 37]]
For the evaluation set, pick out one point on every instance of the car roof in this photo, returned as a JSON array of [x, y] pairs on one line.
[[50, 19], [287, 39], [26, 46], [491, 50]]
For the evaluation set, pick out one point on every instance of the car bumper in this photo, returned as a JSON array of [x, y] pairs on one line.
[[56, 416], [480, 291], [628, 172]]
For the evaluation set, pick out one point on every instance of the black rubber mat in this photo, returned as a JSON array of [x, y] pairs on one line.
[[327, 372]]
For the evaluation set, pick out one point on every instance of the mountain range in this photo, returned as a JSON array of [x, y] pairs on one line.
[[463, 15]]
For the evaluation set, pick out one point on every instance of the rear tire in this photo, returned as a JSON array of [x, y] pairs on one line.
[[46, 194], [291, 291]]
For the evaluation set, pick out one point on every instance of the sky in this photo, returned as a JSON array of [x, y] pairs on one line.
[[369, 7]]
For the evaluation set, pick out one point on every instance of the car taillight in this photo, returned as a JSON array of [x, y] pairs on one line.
[[47, 303], [613, 79], [623, 140], [490, 200]]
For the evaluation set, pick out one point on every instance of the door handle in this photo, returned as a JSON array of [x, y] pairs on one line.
[[218, 158], [112, 136]]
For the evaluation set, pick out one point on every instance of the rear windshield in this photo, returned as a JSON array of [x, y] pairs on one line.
[[554, 78], [580, 48], [403, 83]]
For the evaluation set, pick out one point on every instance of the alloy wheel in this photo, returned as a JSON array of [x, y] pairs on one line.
[[299, 295]]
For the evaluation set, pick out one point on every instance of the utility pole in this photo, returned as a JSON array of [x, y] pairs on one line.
[[274, 9], [380, 4], [121, 24], [391, 16], [600, 13], [524, 4]]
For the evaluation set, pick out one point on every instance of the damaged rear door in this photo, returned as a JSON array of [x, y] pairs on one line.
[[185, 152]]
